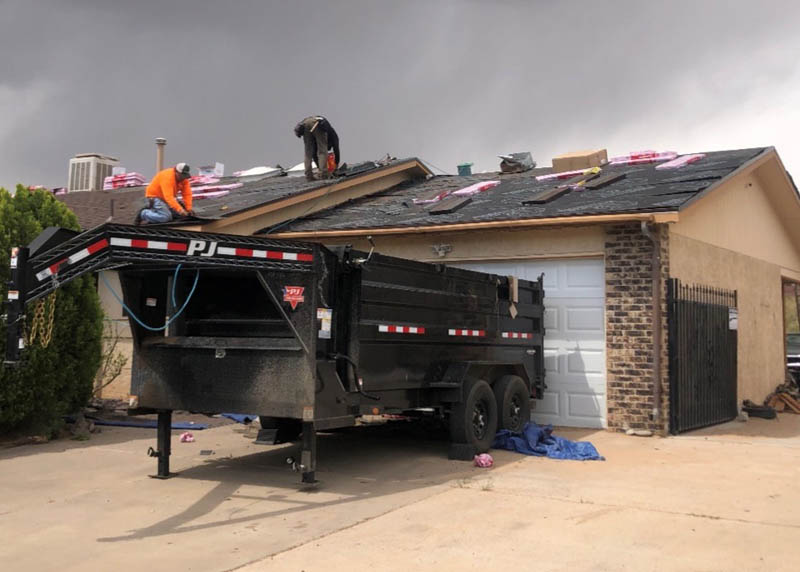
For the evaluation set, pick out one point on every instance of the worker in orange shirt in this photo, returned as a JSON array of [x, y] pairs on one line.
[[162, 196]]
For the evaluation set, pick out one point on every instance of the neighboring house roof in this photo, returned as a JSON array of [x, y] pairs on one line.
[[643, 190], [121, 205]]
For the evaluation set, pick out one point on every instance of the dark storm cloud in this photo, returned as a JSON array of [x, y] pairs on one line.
[[445, 81]]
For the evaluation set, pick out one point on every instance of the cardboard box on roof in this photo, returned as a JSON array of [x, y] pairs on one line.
[[580, 160]]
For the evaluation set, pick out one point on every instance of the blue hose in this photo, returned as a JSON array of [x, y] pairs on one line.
[[174, 303]]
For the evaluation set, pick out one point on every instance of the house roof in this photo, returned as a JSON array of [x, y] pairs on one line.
[[644, 189], [95, 207]]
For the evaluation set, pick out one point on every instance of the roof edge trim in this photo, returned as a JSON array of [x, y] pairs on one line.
[[657, 217], [766, 154]]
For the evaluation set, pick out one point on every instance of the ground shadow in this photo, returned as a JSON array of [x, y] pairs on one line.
[[352, 466]]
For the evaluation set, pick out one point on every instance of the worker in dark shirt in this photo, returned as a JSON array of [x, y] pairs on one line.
[[318, 137]]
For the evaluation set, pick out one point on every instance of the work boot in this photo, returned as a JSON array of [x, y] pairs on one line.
[[138, 220]]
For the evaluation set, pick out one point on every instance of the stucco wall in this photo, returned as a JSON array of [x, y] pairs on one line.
[[120, 387], [758, 283], [743, 215], [739, 237]]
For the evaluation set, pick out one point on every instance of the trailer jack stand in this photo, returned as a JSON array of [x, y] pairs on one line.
[[308, 455], [164, 445]]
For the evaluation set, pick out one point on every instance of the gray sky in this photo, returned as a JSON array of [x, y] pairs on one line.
[[447, 81]]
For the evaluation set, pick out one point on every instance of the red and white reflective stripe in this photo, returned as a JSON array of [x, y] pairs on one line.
[[267, 254], [517, 335], [400, 329], [73, 258], [223, 250], [470, 333], [149, 244]]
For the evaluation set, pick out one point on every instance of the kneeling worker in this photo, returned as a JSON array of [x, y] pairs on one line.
[[318, 136], [161, 195]]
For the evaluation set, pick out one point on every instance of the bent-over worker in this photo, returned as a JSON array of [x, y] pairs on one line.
[[162, 196], [318, 137]]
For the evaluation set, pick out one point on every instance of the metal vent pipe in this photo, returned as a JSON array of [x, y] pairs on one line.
[[160, 144]]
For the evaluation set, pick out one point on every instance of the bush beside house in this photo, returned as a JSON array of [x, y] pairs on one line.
[[56, 379]]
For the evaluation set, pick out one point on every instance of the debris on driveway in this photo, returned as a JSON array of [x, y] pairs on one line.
[[484, 460], [187, 437], [540, 441], [755, 410], [786, 397], [639, 432]]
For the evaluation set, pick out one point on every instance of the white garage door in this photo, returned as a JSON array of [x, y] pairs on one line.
[[574, 343]]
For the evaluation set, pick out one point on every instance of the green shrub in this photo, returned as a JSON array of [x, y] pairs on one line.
[[58, 379]]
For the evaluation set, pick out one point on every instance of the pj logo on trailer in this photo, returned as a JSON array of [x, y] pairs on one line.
[[202, 247], [293, 295]]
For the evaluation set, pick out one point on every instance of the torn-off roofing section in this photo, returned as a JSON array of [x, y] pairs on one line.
[[643, 189], [121, 205]]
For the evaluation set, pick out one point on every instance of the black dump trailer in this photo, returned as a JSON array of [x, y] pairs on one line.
[[308, 338]]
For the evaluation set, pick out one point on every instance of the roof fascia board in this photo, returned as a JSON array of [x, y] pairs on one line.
[[784, 175], [657, 217], [403, 167]]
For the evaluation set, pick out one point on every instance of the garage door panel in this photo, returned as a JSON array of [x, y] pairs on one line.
[[550, 319], [574, 342], [548, 405], [585, 278], [585, 405], [584, 319], [586, 362], [551, 361]]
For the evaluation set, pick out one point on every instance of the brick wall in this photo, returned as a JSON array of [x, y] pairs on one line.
[[629, 328]]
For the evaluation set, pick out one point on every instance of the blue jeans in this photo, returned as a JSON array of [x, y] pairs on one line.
[[160, 212]]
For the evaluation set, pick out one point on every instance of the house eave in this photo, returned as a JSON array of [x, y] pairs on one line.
[[655, 217]]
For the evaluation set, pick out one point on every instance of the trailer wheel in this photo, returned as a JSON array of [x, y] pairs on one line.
[[513, 403], [474, 420]]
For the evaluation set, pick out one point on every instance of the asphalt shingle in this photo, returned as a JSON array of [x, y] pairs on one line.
[[644, 189]]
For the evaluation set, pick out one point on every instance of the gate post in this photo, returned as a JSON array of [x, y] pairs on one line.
[[673, 284]]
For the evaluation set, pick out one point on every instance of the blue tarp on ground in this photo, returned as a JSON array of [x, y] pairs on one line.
[[240, 417], [142, 423], [539, 440]]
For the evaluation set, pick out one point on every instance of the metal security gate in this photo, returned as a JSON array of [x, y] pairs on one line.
[[703, 324]]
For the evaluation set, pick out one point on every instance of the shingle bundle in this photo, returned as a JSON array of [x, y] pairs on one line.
[[123, 180]]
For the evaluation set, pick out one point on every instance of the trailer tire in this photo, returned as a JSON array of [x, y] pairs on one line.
[[474, 419], [288, 430], [513, 403]]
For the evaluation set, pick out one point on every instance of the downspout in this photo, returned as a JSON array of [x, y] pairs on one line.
[[655, 266]]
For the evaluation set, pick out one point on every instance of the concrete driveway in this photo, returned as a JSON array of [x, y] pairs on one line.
[[727, 498]]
